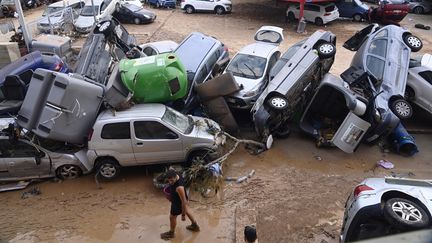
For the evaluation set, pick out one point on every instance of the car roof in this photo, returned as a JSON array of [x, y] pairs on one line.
[[96, 2], [193, 49], [65, 3], [136, 111], [258, 49]]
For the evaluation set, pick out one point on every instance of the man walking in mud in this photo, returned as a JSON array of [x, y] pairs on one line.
[[179, 201]]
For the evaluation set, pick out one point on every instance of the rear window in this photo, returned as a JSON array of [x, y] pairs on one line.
[[193, 51], [119, 130], [330, 8]]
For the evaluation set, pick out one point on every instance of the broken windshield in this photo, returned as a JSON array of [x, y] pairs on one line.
[[178, 120]]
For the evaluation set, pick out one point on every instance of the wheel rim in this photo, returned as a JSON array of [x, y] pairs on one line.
[[406, 211], [357, 17], [326, 48], [319, 21], [219, 11], [189, 10], [418, 10], [137, 21], [104, 26], [198, 160], [402, 108], [414, 41], [278, 102], [108, 170], [69, 171]]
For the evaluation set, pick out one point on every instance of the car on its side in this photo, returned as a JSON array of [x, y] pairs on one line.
[[102, 9], [162, 3], [58, 15], [419, 82], [149, 134], [216, 6], [132, 14], [200, 54], [158, 47], [22, 159], [420, 6], [252, 64], [320, 14], [387, 73], [292, 83], [385, 206], [389, 12], [354, 9]]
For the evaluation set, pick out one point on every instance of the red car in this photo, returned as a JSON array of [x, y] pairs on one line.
[[389, 12]]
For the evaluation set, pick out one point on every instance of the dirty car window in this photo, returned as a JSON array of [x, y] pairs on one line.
[[378, 47], [375, 67], [119, 130], [88, 10], [247, 66], [178, 120]]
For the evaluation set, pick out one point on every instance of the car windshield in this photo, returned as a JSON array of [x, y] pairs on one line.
[[178, 120], [247, 66], [50, 11], [134, 8], [88, 10]]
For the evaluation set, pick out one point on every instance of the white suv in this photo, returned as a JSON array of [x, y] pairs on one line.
[[320, 14], [217, 6]]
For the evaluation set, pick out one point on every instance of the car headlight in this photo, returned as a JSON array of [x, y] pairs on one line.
[[250, 93], [146, 16]]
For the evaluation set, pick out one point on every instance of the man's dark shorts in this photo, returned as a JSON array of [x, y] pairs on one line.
[[175, 209]]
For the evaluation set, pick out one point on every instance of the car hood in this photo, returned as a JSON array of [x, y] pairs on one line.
[[84, 21], [247, 84], [53, 20], [146, 12], [207, 129]]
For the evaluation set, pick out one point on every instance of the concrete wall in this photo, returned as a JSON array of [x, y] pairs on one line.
[[9, 52]]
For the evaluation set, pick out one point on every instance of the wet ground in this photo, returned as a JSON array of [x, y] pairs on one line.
[[296, 195]]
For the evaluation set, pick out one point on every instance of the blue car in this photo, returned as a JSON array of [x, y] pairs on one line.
[[16, 76], [354, 9], [163, 3]]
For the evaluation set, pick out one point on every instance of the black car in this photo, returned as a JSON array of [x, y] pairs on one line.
[[129, 13]]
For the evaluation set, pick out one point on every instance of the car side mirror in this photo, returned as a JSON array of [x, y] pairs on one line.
[[171, 135]]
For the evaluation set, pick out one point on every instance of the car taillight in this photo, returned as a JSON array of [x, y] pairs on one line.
[[327, 14], [90, 134], [58, 66], [361, 188]]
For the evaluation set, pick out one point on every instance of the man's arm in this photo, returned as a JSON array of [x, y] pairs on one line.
[[180, 190]]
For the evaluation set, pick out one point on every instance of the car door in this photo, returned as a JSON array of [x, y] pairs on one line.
[[154, 142], [425, 96], [207, 5], [308, 13], [24, 160], [116, 137]]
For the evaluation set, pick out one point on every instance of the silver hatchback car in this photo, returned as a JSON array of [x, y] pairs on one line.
[[384, 206], [150, 134]]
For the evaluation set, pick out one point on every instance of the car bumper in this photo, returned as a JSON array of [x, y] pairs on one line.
[[83, 30], [330, 18]]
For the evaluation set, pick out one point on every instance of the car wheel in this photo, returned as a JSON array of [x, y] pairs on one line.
[[413, 42], [326, 50], [137, 21], [108, 168], [418, 10], [319, 21], [199, 157], [283, 131], [189, 9], [405, 214], [291, 17], [104, 27], [401, 108], [66, 172], [219, 10], [357, 17], [278, 102]]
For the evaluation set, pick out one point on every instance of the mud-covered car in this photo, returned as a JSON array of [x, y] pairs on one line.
[[419, 83], [150, 134], [293, 85], [154, 79], [386, 206], [22, 159], [384, 54]]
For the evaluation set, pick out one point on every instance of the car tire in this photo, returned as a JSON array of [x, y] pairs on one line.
[[413, 42], [405, 214], [357, 17], [189, 9], [219, 10], [291, 17], [137, 21], [326, 50], [401, 108], [199, 157], [104, 27], [66, 172], [108, 168], [283, 131], [278, 102], [319, 21], [418, 10]]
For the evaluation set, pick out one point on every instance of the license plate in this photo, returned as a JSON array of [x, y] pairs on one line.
[[397, 11]]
